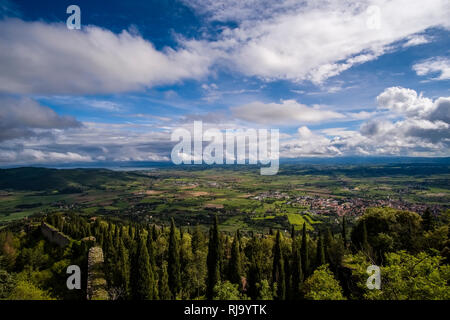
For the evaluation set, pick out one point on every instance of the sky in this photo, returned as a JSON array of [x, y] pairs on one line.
[[337, 78]]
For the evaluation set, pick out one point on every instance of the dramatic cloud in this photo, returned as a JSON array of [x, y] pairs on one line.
[[91, 142], [422, 130], [315, 40], [404, 101], [36, 57], [18, 118], [440, 67], [308, 40], [408, 103], [286, 112]]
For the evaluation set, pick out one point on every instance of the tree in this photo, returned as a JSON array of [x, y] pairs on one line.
[[122, 271], [143, 284], [151, 251], [164, 290], [235, 261], [110, 254], [297, 273], [227, 291], [322, 286], [154, 233], [25, 290], [196, 272], [328, 241], [254, 276], [304, 251], [198, 239], [174, 261], [386, 229], [406, 277], [186, 259], [8, 249], [213, 259], [365, 240], [320, 253], [344, 231], [265, 292], [278, 272], [427, 220], [7, 283]]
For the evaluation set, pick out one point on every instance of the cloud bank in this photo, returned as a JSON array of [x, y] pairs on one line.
[[42, 58]]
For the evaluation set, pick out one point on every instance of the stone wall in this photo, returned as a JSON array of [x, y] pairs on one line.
[[54, 235], [96, 285]]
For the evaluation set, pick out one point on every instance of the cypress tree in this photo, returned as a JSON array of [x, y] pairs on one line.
[[327, 242], [254, 278], [238, 235], [213, 260], [365, 242], [344, 231], [235, 261], [174, 261], [110, 255], [320, 254], [154, 233], [278, 274], [143, 284], [427, 220], [185, 250], [151, 251], [197, 239], [152, 261], [137, 234], [297, 273], [287, 276], [164, 290], [130, 232], [122, 278], [116, 230], [304, 252]]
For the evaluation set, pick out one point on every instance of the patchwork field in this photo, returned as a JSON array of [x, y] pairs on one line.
[[241, 197]]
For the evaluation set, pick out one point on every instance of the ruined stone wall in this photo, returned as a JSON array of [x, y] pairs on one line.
[[54, 235], [96, 285]]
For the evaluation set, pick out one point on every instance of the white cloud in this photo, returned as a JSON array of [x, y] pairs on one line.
[[422, 130], [307, 143], [286, 112], [297, 41], [407, 103], [42, 58], [404, 101], [314, 40], [416, 40], [440, 66]]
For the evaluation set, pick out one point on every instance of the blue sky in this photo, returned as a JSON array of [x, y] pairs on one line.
[[350, 78]]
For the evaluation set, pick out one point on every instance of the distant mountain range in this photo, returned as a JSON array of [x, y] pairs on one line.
[[140, 165]]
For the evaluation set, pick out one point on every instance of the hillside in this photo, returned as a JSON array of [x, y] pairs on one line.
[[39, 179]]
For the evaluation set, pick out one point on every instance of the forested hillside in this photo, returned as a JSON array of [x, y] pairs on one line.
[[148, 261]]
